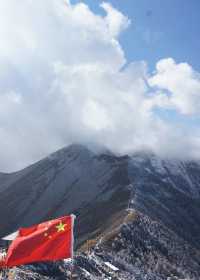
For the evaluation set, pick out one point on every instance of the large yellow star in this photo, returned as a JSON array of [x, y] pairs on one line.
[[60, 227]]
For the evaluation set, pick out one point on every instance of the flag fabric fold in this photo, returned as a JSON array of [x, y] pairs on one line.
[[49, 241]]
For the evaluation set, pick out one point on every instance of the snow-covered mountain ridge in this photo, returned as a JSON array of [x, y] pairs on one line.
[[97, 186]]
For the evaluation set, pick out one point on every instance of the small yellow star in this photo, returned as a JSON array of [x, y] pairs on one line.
[[60, 227]]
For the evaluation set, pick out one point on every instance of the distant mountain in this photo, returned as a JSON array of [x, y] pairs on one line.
[[98, 188]]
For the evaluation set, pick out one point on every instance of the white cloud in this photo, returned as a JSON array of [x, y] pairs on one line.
[[115, 20], [180, 85], [61, 82]]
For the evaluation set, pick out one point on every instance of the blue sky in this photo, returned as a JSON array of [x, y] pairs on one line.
[[159, 29]]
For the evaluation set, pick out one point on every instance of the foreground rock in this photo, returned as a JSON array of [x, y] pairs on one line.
[[140, 249]]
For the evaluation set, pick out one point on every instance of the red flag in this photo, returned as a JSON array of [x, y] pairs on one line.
[[48, 241]]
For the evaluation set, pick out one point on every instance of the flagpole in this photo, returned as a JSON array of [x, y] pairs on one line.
[[72, 269], [73, 217]]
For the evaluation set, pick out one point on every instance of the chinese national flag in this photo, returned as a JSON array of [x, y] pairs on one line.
[[48, 241]]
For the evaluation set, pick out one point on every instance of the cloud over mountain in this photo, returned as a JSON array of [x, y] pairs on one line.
[[65, 78]]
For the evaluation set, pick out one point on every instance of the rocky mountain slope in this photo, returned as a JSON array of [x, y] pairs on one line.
[[163, 240], [73, 180], [168, 191]]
